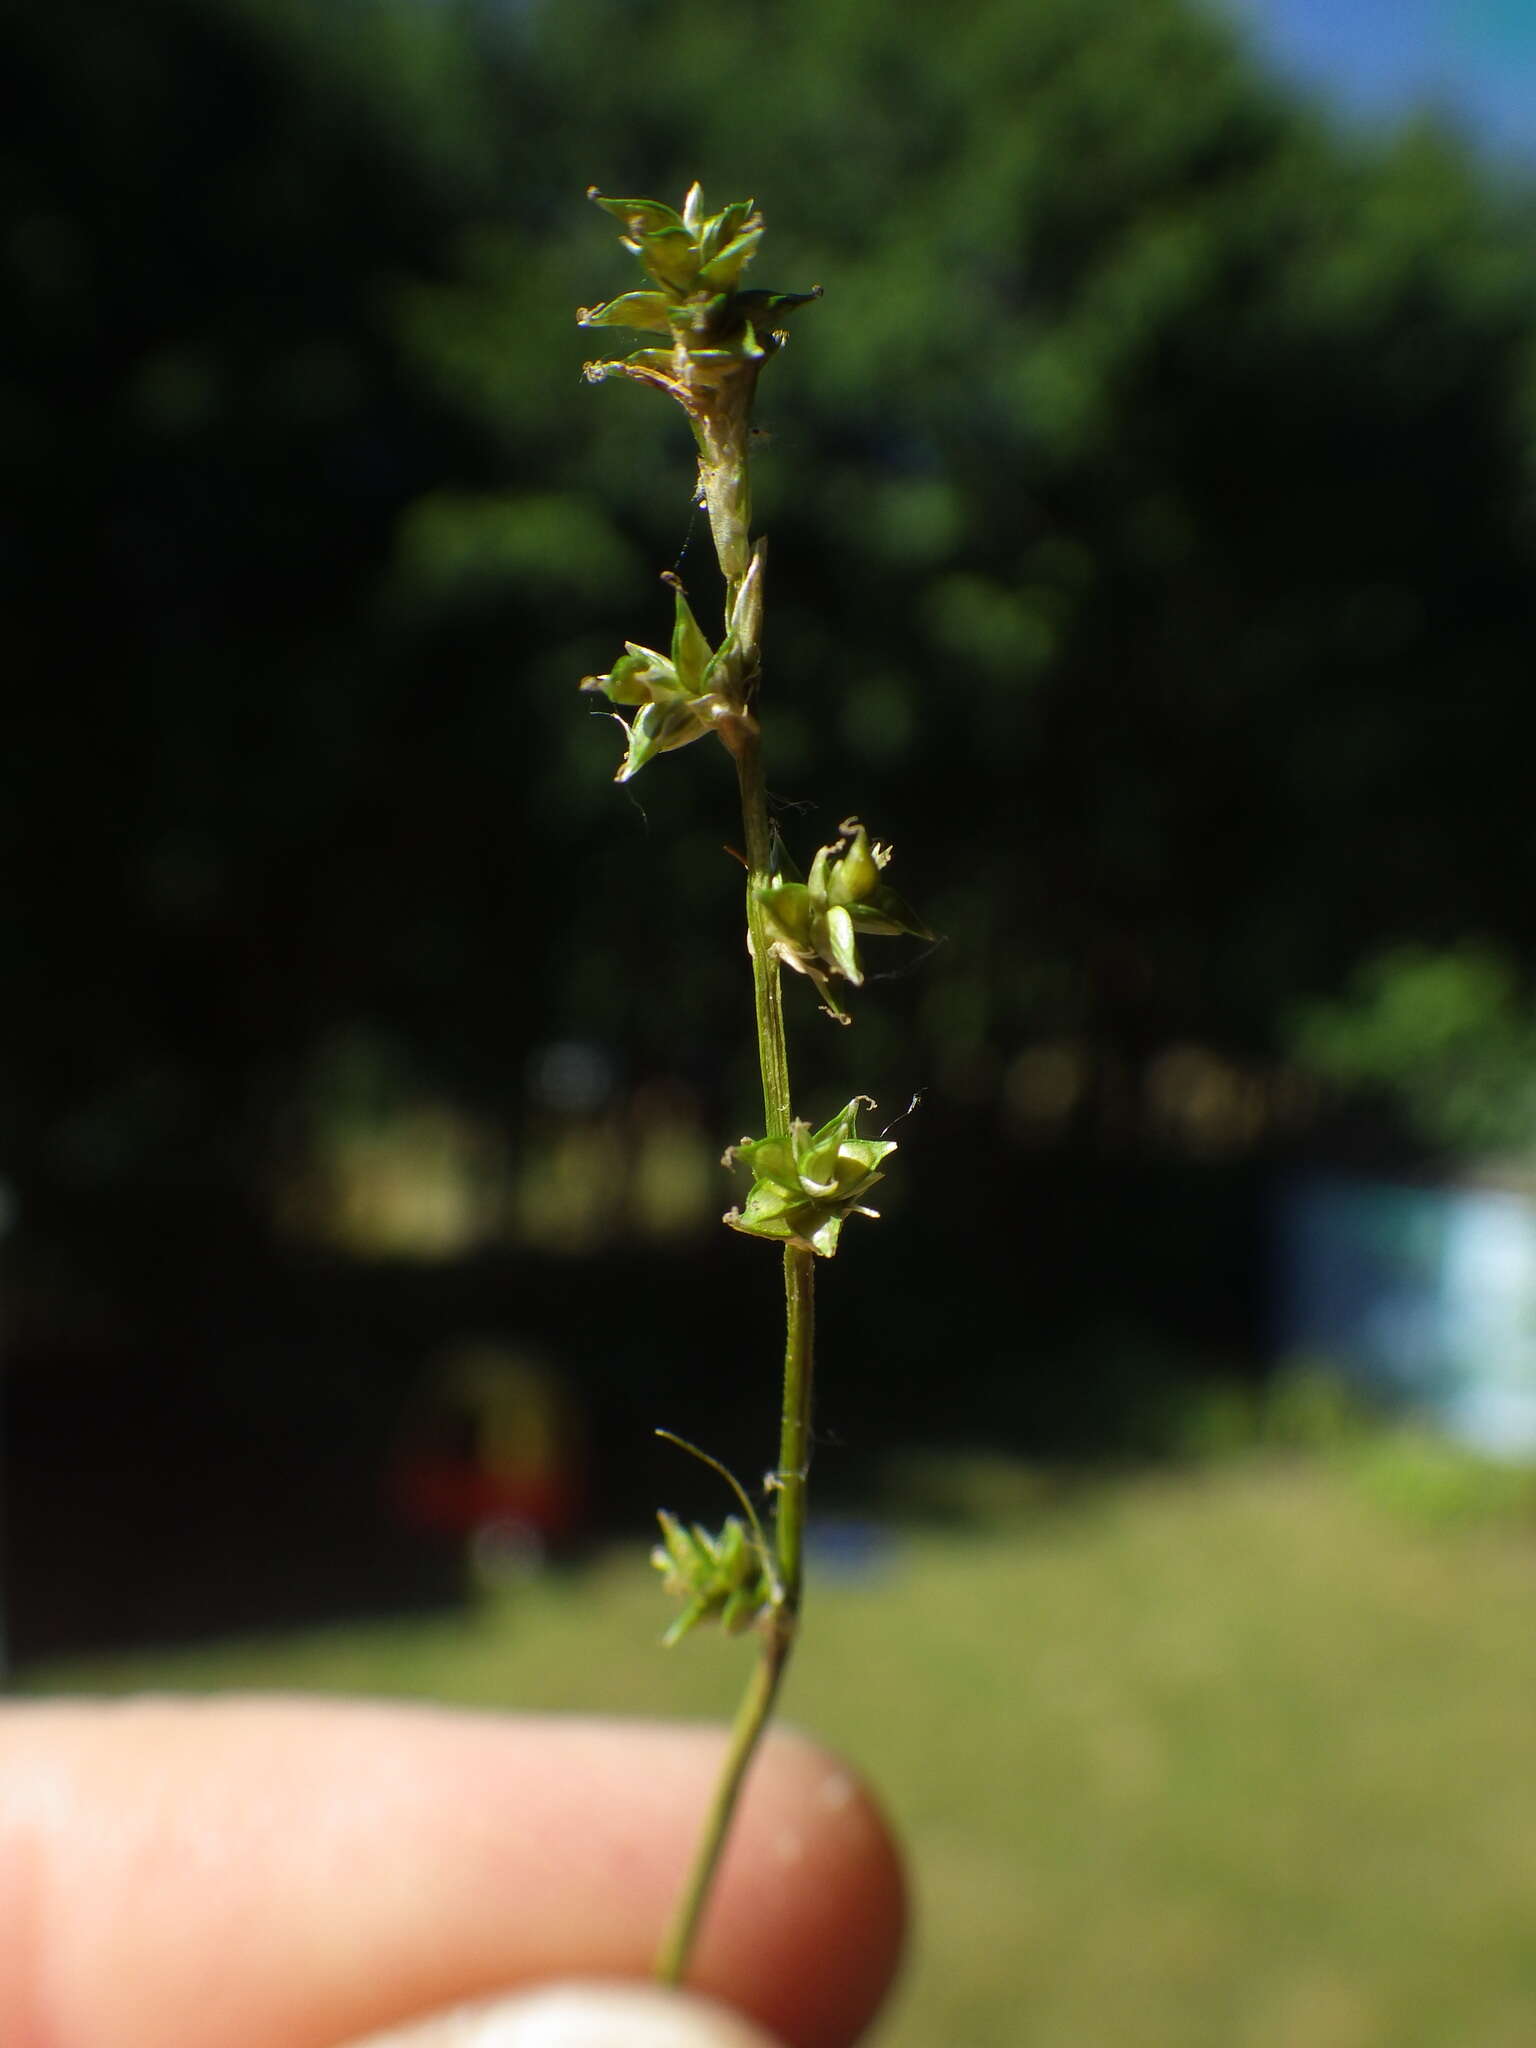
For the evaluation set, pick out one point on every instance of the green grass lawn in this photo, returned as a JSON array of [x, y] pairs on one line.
[[1242, 1757]]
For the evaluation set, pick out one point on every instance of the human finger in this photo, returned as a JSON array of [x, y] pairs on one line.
[[257, 1871], [582, 2016]]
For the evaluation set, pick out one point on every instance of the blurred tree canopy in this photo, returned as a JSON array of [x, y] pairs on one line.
[[1151, 515]]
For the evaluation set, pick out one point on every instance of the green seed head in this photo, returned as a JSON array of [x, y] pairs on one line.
[[719, 335], [815, 926], [720, 1577], [806, 1185], [681, 696]]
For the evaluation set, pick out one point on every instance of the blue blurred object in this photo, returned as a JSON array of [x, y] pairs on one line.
[[1424, 1297], [1473, 60], [849, 1548]]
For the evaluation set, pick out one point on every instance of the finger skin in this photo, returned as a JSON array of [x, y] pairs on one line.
[[602, 2015], [252, 1872]]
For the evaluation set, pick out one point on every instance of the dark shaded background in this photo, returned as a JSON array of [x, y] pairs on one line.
[[1150, 501]]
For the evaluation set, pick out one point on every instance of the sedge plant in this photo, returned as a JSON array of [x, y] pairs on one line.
[[712, 340]]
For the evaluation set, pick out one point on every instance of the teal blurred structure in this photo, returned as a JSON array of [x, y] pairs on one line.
[[1423, 1297]]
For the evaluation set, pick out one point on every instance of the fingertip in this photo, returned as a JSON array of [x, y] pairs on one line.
[[596, 2015]]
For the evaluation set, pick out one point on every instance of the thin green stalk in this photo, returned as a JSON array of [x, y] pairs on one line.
[[779, 1626], [752, 1717], [795, 1421], [726, 485], [725, 478], [772, 1052]]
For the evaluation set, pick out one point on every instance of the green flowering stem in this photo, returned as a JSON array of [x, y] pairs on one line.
[[718, 337], [778, 1625]]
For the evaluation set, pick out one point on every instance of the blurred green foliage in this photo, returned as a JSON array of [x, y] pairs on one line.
[[1151, 503], [1395, 1461], [1449, 1036]]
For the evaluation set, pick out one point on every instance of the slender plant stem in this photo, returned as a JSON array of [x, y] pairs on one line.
[[795, 1423], [772, 1052], [752, 1718], [778, 1627]]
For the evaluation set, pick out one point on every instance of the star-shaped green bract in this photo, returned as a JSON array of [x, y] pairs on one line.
[[681, 696], [694, 262], [807, 1183], [815, 925], [720, 1577]]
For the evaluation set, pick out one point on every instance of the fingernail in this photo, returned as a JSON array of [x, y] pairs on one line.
[[581, 2016]]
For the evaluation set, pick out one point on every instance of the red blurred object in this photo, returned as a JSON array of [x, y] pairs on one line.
[[491, 1446], [456, 1496]]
